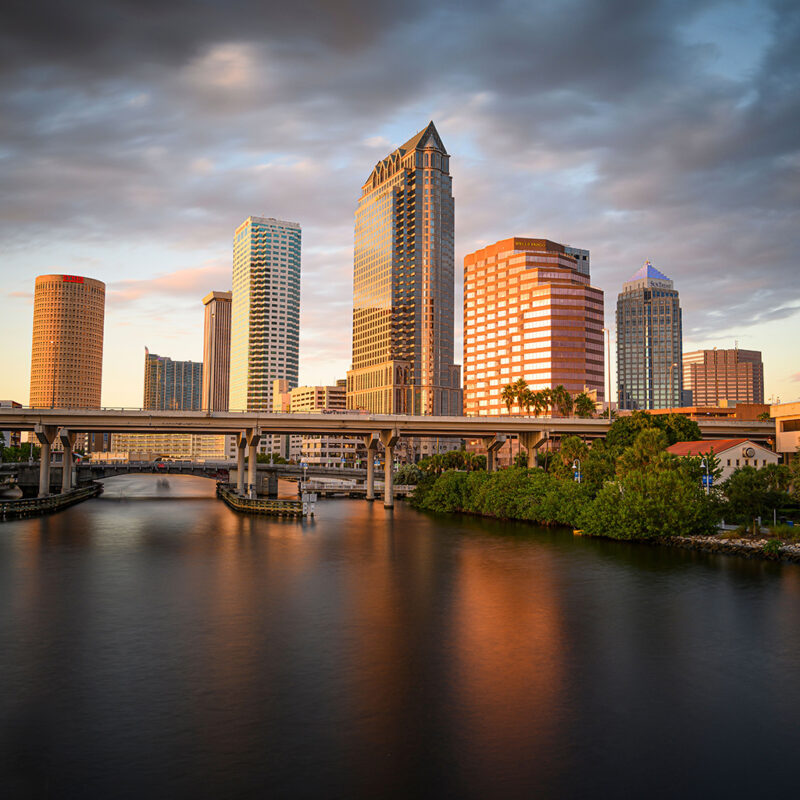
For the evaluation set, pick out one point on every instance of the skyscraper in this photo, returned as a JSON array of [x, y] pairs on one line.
[[529, 312], [711, 377], [67, 348], [265, 322], [403, 285], [171, 385], [649, 342], [216, 351]]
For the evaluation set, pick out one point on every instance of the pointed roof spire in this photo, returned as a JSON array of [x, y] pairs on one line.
[[647, 270]]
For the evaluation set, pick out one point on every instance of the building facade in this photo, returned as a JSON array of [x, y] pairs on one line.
[[67, 347], [265, 321], [216, 351], [529, 312], [731, 453], [403, 285], [787, 428], [649, 342], [714, 377], [171, 385]]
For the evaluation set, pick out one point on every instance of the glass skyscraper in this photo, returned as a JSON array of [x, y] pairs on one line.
[[403, 285], [649, 342], [265, 319], [171, 385]]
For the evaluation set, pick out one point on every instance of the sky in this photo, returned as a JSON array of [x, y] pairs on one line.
[[135, 135]]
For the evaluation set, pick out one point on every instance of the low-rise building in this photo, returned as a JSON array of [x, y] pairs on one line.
[[732, 453], [787, 428]]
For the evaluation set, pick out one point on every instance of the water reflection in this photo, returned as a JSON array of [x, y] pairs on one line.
[[173, 643]]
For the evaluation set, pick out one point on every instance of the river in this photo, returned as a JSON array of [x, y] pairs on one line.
[[154, 643]]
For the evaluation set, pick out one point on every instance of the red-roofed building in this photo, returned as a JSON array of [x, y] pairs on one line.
[[732, 453]]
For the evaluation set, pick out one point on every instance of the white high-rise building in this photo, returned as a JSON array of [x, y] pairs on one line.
[[265, 319]]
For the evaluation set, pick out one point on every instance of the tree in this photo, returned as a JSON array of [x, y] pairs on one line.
[[546, 399], [584, 405], [561, 399], [520, 387], [755, 492], [647, 454], [764, 416], [509, 395], [679, 428], [527, 399]]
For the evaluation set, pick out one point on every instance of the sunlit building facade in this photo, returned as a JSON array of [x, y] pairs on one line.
[[67, 347], [265, 319], [649, 342], [714, 377], [216, 351], [171, 385], [530, 312], [403, 285]]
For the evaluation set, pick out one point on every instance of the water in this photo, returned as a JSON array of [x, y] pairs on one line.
[[153, 643]]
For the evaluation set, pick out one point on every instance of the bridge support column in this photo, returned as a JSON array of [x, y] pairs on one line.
[[68, 442], [531, 442], [389, 440], [241, 443], [493, 444], [371, 443], [45, 434], [253, 438]]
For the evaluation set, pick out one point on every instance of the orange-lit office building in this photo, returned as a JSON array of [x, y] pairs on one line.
[[67, 348], [529, 312]]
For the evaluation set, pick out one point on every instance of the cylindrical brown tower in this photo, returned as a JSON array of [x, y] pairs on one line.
[[67, 351]]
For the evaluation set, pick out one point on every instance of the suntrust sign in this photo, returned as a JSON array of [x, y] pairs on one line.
[[72, 279]]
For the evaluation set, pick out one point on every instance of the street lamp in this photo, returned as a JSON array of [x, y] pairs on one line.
[[672, 385], [53, 367], [576, 468], [704, 462], [607, 332]]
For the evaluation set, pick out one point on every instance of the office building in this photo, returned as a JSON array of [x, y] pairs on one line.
[[328, 450], [265, 321], [649, 342], [216, 351], [171, 385], [529, 312], [10, 438], [403, 285], [723, 377], [67, 348]]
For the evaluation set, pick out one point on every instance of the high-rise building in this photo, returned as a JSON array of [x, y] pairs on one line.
[[216, 351], [403, 285], [717, 377], [171, 385], [67, 351], [265, 322], [649, 342], [529, 312]]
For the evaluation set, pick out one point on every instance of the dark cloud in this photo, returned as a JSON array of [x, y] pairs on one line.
[[593, 122]]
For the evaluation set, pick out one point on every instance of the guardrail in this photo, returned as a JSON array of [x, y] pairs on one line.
[[35, 506], [262, 505]]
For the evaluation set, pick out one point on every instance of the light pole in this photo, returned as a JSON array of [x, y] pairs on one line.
[[672, 385], [576, 468], [704, 462], [53, 367], [607, 332]]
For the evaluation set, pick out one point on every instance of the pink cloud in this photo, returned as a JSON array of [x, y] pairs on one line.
[[795, 377], [191, 283]]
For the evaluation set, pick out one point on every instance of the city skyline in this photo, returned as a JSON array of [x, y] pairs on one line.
[[653, 142]]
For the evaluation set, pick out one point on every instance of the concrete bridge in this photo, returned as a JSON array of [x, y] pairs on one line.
[[374, 429]]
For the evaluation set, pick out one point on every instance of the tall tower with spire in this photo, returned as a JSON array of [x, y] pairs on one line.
[[404, 284], [649, 342]]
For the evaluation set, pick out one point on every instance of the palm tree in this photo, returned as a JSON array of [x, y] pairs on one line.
[[520, 386], [562, 400], [584, 405], [546, 399], [509, 395], [526, 399]]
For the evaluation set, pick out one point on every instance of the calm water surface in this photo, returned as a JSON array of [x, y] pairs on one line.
[[153, 643]]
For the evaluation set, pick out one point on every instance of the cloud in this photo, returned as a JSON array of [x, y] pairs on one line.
[[795, 378], [610, 125], [190, 284]]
